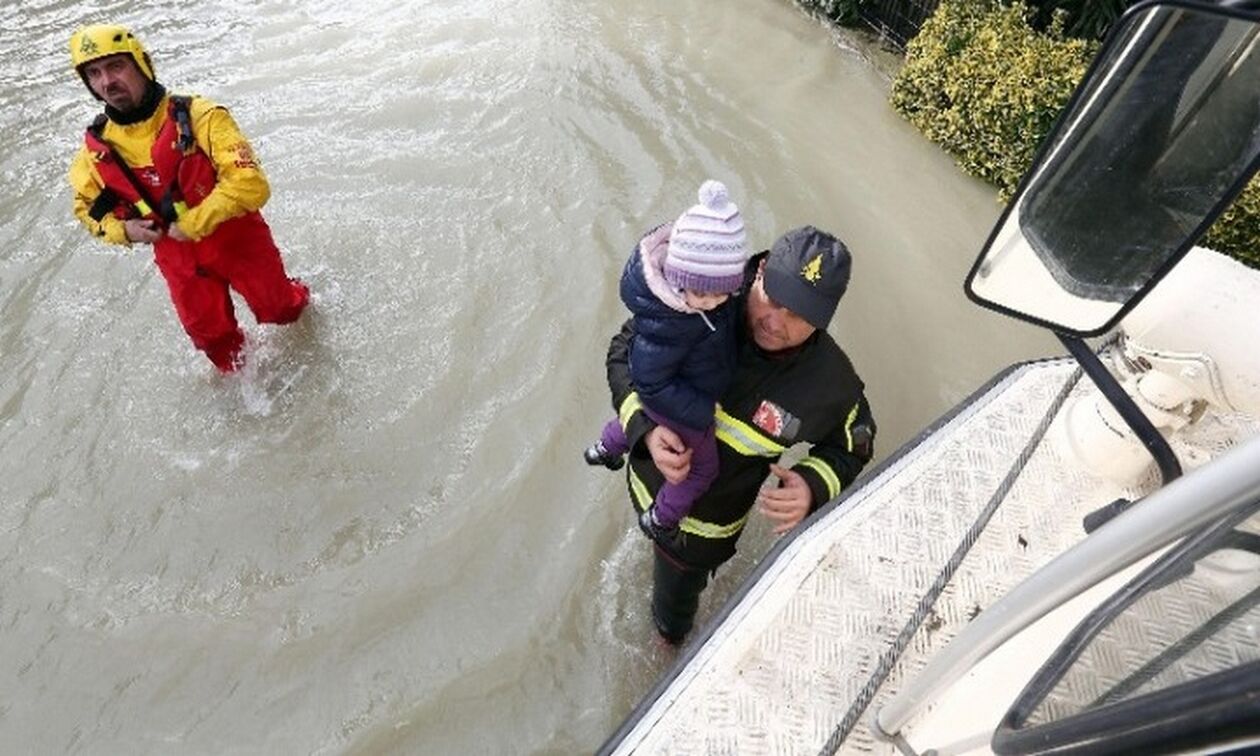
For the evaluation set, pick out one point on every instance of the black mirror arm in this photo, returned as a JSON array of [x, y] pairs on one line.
[[1169, 467]]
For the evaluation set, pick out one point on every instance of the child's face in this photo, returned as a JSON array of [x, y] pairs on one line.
[[698, 301]]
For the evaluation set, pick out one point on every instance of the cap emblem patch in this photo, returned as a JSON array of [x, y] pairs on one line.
[[812, 271]]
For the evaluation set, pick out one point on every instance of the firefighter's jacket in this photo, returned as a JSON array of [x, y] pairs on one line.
[[811, 394]]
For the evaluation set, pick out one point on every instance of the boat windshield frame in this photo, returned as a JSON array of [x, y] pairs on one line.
[[1045, 154]]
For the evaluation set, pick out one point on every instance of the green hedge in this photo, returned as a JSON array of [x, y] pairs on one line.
[[980, 82], [1237, 231]]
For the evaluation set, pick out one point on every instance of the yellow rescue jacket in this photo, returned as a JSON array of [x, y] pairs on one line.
[[241, 184]]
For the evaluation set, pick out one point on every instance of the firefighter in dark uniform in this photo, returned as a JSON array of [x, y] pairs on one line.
[[792, 384]]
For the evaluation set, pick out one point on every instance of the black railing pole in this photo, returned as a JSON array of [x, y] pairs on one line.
[[1169, 467]]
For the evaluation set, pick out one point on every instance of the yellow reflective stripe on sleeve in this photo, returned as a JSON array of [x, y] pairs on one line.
[[823, 469], [180, 209], [848, 425], [744, 438], [709, 530], [631, 405], [143, 207], [825, 472], [642, 499]]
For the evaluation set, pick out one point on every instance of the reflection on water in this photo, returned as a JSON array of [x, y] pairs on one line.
[[382, 538]]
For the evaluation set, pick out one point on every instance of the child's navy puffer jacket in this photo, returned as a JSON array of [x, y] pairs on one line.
[[680, 362]]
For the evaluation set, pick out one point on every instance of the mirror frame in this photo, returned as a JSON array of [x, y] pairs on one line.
[[1060, 124]]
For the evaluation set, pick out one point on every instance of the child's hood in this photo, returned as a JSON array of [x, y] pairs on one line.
[[652, 250]]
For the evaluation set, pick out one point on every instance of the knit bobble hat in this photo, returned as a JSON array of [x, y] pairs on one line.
[[707, 246]]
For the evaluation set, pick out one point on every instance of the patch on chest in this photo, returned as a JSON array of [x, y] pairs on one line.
[[149, 175], [776, 421]]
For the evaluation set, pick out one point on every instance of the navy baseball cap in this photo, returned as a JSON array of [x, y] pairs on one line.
[[807, 272]]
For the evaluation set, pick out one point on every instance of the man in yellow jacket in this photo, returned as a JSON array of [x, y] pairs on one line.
[[177, 173]]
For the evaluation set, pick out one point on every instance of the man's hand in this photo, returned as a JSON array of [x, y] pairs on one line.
[[144, 231], [176, 233], [788, 503], [669, 454]]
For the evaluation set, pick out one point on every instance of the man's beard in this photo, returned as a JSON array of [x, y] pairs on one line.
[[120, 99], [135, 112]]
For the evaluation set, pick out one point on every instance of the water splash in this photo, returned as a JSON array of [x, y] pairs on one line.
[[267, 376]]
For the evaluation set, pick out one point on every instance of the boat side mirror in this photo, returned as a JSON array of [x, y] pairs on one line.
[[1160, 136]]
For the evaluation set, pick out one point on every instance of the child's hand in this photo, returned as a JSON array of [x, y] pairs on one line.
[[669, 454]]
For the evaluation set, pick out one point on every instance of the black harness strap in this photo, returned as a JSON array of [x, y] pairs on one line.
[[97, 129], [182, 106], [185, 140], [103, 205]]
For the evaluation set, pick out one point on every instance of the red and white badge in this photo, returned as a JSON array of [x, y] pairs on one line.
[[769, 418]]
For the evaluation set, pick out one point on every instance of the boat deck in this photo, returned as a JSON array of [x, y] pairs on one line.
[[782, 666]]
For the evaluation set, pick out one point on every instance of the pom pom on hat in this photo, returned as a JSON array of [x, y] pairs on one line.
[[713, 195], [708, 247]]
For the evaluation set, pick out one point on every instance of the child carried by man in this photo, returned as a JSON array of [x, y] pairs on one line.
[[677, 285]]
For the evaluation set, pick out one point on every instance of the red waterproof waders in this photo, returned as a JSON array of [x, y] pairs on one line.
[[239, 253]]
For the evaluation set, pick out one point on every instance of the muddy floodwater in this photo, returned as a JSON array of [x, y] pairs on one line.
[[380, 537]]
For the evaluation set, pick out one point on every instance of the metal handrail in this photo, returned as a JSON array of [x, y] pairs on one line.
[[1230, 482]]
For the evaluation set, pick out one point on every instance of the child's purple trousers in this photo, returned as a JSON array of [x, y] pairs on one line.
[[674, 500]]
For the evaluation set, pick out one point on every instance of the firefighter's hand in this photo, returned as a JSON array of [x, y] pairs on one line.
[[144, 231], [785, 504], [669, 454], [175, 233]]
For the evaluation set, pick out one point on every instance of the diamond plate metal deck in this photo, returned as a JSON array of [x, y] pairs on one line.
[[782, 670]]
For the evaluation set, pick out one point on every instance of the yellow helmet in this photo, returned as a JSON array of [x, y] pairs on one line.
[[102, 40]]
